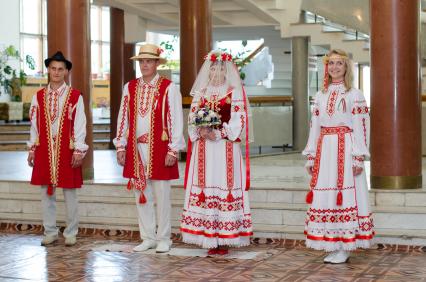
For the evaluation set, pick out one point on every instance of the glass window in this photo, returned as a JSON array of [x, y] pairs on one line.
[[32, 45], [105, 24], [31, 16], [94, 23], [105, 58], [95, 60]]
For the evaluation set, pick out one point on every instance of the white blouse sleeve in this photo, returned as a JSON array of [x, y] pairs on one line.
[[120, 141], [361, 127], [175, 119], [192, 130], [33, 120], [80, 127], [314, 132]]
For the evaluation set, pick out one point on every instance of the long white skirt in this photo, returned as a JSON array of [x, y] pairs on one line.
[[216, 170], [331, 227]]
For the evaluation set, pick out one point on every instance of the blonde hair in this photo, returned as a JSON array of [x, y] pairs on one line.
[[348, 79]]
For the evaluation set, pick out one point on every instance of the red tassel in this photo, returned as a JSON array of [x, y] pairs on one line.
[[309, 197], [230, 198], [50, 190], [339, 200], [202, 197], [142, 199], [129, 185]]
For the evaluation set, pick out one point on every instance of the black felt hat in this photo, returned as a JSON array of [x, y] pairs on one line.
[[59, 57]]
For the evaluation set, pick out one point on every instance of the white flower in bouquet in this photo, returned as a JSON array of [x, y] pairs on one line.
[[201, 113], [208, 118], [212, 114]]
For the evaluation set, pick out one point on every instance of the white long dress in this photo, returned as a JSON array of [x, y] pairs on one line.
[[338, 141], [217, 170]]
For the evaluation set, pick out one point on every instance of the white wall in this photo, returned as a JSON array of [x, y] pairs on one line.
[[9, 24]]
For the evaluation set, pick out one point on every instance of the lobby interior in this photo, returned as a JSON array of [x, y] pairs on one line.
[[284, 38]]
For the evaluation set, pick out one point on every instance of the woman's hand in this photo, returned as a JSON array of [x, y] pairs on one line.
[[207, 133], [357, 170]]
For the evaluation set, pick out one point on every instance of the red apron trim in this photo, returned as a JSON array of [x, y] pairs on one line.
[[219, 235], [339, 239]]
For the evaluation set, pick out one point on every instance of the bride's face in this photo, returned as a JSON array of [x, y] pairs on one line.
[[217, 74]]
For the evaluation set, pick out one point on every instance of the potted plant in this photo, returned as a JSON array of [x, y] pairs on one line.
[[12, 80]]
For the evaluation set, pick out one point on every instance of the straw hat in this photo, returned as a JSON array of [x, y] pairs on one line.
[[150, 51]]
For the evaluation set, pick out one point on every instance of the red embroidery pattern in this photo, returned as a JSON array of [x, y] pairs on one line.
[[53, 104], [144, 138], [206, 224], [365, 131], [333, 188], [145, 101], [333, 218], [230, 164], [201, 163], [331, 103], [32, 111], [340, 158], [123, 117], [340, 131], [360, 110], [237, 108], [217, 203]]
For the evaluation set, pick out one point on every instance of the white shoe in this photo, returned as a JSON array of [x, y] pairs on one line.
[[341, 257], [146, 245], [330, 257], [162, 247], [49, 239], [70, 241]]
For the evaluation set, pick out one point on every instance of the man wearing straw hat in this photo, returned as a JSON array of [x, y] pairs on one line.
[[149, 137]]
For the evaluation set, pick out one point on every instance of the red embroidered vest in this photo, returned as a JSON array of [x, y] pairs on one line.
[[158, 148], [52, 162]]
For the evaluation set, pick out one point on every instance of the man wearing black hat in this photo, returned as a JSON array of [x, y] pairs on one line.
[[57, 147]]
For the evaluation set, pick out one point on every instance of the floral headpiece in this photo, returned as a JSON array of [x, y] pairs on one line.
[[218, 56], [159, 51], [325, 60]]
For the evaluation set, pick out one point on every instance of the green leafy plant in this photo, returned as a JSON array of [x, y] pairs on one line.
[[168, 48], [11, 78]]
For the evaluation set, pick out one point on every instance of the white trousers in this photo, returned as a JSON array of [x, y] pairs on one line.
[[158, 191], [49, 212]]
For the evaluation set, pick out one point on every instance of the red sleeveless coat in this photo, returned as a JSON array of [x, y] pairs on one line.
[[52, 162], [158, 146]]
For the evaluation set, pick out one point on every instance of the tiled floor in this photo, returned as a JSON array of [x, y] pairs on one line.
[[23, 259]]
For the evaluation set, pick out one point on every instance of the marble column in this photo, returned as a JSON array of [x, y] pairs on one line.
[[195, 40], [68, 30], [396, 160], [300, 74], [117, 67]]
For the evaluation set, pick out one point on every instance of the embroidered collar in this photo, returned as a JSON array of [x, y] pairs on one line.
[[337, 87], [153, 81], [60, 90]]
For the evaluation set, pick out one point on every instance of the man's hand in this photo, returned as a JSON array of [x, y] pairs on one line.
[[30, 159], [310, 169], [357, 170], [170, 160], [77, 160], [121, 157]]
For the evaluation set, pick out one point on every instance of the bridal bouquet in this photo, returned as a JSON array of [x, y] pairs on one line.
[[204, 117]]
